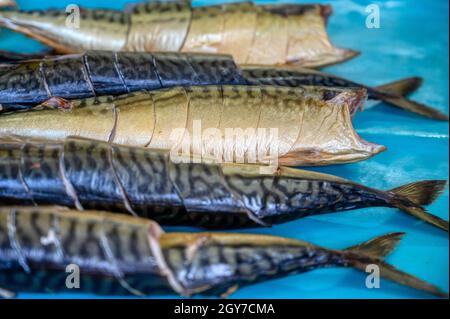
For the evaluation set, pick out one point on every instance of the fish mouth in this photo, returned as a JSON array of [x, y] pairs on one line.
[[337, 141], [353, 100], [317, 157]]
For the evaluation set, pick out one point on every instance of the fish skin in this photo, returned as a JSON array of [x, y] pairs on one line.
[[394, 93], [293, 126], [90, 174], [158, 26], [133, 256], [23, 84], [98, 29], [175, 26], [97, 73], [240, 21]]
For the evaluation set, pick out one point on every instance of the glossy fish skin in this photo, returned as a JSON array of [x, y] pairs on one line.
[[158, 26], [298, 31], [113, 253], [98, 73], [259, 124], [124, 255], [286, 76], [89, 174]]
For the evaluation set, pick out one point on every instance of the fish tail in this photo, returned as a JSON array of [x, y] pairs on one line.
[[378, 247], [410, 198], [401, 87], [395, 93], [374, 251], [416, 107]]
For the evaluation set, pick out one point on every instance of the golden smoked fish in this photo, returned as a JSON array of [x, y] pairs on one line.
[[243, 124], [253, 34], [133, 256]]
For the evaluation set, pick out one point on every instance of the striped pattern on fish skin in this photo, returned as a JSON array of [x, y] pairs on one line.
[[242, 265], [113, 254], [127, 255], [284, 77], [158, 26], [98, 73], [253, 124], [393, 93], [296, 32], [96, 175]]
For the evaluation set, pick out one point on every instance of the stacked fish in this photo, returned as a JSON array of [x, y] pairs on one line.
[[113, 127]]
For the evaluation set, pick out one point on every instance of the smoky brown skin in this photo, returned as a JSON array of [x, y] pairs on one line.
[[297, 32], [302, 126]]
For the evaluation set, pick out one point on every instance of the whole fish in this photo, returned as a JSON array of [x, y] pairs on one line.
[[244, 124], [269, 34], [97, 73], [130, 256], [88, 174]]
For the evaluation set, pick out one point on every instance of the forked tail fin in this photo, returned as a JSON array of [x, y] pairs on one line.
[[395, 93], [401, 87], [410, 197], [378, 247], [416, 107], [373, 252]]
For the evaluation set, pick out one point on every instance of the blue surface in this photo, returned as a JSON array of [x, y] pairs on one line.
[[412, 40]]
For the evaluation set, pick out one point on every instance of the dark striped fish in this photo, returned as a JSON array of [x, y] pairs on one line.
[[97, 73], [269, 34], [118, 255], [89, 174]]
